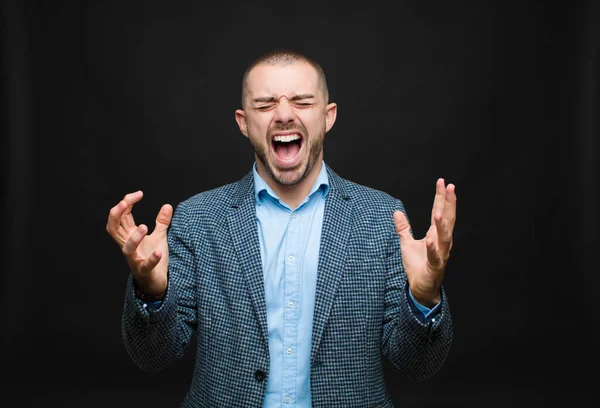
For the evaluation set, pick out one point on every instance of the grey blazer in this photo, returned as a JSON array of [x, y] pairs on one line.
[[216, 289]]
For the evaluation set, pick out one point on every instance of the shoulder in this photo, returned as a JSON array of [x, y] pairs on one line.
[[365, 198], [214, 197], [217, 201], [369, 196]]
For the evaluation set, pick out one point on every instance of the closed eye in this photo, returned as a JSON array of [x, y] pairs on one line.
[[299, 101], [300, 105], [265, 107], [304, 104]]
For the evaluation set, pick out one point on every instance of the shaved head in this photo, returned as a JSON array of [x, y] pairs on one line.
[[283, 58]]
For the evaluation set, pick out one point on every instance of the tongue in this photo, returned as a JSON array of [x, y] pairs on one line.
[[287, 151]]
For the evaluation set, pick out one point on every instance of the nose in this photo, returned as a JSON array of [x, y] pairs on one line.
[[284, 113]]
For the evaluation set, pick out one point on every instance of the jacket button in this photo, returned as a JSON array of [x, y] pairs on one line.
[[259, 375]]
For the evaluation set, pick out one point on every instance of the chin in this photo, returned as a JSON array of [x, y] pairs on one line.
[[289, 177]]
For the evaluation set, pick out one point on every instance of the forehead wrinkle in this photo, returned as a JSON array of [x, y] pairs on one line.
[[284, 58], [270, 79]]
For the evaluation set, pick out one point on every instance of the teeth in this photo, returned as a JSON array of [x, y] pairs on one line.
[[286, 138]]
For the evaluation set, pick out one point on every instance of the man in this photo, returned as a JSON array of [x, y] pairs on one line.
[[295, 280]]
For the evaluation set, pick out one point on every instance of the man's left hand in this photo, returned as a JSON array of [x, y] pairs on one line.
[[425, 259]]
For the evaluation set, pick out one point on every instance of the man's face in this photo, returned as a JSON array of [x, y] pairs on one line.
[[285, 117]]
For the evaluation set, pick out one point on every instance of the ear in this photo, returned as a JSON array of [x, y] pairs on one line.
[[240, 118], [330, 115]]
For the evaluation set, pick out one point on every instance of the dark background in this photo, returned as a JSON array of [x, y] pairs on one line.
[[500, 98]]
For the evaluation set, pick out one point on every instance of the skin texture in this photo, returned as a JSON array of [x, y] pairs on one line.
[[284, 99], [425, 259], [147, 255]]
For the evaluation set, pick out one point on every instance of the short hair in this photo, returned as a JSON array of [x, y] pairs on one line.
[[285, 57]]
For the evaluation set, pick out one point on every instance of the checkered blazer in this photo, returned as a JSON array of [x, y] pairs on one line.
[[216, 290]]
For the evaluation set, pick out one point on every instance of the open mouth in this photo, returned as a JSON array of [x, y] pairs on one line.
[[287, 147]]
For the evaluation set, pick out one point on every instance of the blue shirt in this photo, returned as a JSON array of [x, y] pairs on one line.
[[289, 249]]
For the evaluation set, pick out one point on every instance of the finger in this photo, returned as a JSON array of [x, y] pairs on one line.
[[444, 237], [449, 212], [439, 200], [163, 219], [151, 262], [402, 227], [432, 253], [445, 223], [134, 240], [130, 199], [133, 198], [114, 218]]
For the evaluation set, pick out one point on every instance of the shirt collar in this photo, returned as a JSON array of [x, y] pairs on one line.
[[261, 187]]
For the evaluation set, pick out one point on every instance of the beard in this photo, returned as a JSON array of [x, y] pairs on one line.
[[294, 175]]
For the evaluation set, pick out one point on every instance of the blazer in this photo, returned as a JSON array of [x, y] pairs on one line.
[[216, 290]]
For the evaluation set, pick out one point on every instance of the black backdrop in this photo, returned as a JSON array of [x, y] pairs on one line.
[[103, 98]]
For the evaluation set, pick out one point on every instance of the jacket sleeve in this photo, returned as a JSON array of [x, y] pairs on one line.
[[155, 339], [416, 349]]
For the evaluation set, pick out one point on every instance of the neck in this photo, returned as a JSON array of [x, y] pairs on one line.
[[292, 195]]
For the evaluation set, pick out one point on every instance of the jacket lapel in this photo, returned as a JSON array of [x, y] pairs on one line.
[[332, 254], [244, 233]]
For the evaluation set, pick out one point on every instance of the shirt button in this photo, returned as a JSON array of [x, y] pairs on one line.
[[287, 399], [291, 258], [290, 304], [294, 216], [289, 350]]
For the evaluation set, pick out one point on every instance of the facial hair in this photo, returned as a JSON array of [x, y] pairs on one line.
[[293, 176]]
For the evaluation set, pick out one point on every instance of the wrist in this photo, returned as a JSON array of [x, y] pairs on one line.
[[149, 295], [149, 298], [425, 299]]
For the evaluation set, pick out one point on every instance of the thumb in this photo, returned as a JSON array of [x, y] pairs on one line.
[[402, 226], [163, 219]]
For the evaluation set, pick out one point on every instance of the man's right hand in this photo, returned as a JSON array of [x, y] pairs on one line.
[[147, 255]]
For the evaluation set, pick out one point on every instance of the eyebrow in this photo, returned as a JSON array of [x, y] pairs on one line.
[[292, 99]]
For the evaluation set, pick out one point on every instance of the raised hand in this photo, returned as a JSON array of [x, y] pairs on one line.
[[147, 255], [425, 259]]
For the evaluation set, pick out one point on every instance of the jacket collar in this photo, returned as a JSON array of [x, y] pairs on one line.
[[245, 190]]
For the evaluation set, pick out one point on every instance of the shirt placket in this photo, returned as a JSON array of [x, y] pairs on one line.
[[293, 264]]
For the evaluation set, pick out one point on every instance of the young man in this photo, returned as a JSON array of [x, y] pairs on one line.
[[295, 280]]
